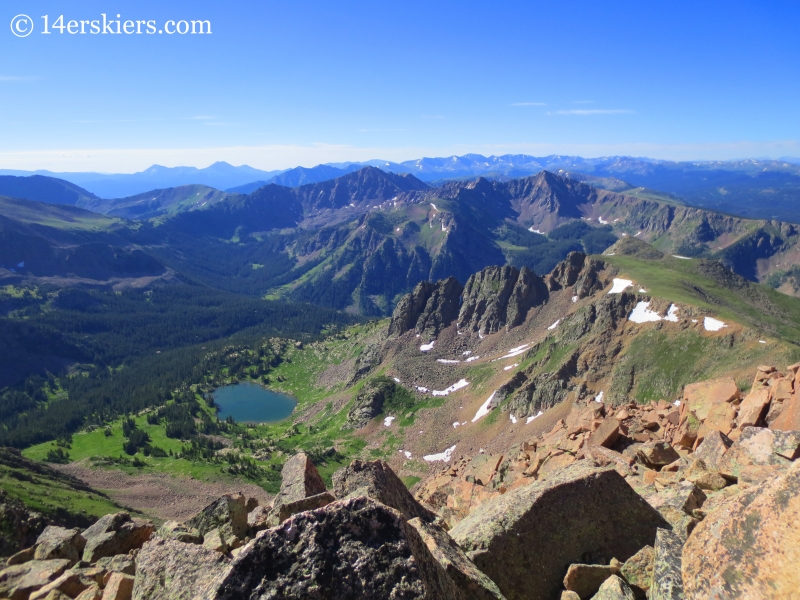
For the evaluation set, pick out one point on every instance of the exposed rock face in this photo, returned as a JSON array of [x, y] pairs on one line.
[[376, 480], [115, 534], [614, 588], [524, 531], [566, 273], [667, 580], [759, 447], [173, 530], [350, 549], [368, 403], [750, 546], [172, 570], [638, 571], [299, 479], [461, 570], [498, 297], [19, 527], [58, 542], [228, 514], [312, 502], [428, 309], [20, 581]]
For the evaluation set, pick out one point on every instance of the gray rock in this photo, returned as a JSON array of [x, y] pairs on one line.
[[257, 520], [351, 549], [585, 580], [566, 273], [428, 309], [712, 449], [171, 570], [667, 579], [121, 563], [299, 479], [614, 588], [115, 534], [657, 454], [377, 480], [638, 571], [368, 403], [498, 297], [311, 503], [461, 570], [173, 530], [58, 542], [579, 514], [228, 514], [20, 581]]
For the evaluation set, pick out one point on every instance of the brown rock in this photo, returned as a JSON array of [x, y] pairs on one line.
[[257, 519], [585, 580], [606, 435], [638, 571], [58, 542], [115, 534], [781, 389], [377, 480], [312, 502], [69, 584], [789, 417], [721, 417], [526, 531], [700, 397], [756, 446], [461, 570], [686, 434], [568, 595], [699, 474], [750, 546], [614, 588], [20, 581], [119, 587], [657, 454], [483, 467], [173, 530], [712, 449], [299, 479], [91, 593], [172, 570], [22, 556], [753, 408]]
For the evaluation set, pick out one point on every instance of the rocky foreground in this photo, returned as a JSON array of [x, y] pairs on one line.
[[698, 499]]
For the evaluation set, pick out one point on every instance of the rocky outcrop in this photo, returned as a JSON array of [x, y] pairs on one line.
[[566, 273], [355, 548], [299, 479], [172, 570], [428, 309], [368, 403], [19, 526], [750, 546], [614, 588], [58, 542], [20, 581], [228, 514], [173, 530], [499, 297], [524, 531], [376, 480], [115, 534]]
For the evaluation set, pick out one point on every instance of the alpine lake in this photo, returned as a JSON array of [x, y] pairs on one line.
[[248, 402]]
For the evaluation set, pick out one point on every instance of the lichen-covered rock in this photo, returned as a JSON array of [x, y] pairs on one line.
[[657, 454], [614, 588], [180, 532], [20, 581], [376, 480], [638, 571], [368, 403], [351, 549], [667, 580], [462, 571], [498, 297], [119, 587], [585, 580], [227, 513], [749, 547], [58, 542], [114, 534], [712, 449], [257, 519], [299, 479], [68, 585], [700, 397], [523, 539], [312, 502], [758, 447], [172, 570]]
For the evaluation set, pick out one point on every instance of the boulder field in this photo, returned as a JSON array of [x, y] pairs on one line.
[[695, 499]]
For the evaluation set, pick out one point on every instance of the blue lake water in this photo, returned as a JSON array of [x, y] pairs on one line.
[[248, 402]]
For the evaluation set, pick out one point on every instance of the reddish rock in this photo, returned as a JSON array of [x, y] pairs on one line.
[[750, 546], [753, 408], [712, 449], [657, 454], [781, 389], [483, 467], [758, 446], [721, 417], [119, 587], [700, 397], [789, 417], [606, 435], [585, 580]]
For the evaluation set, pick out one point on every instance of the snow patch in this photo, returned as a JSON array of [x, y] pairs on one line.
[[388, 421], [672, 314], [453, 388], [514, 352], [681, 257], [532, 230], [471, 358], [602, 222], [434, 206], [599, 397], [712, 324], [642, 291], [642, 314], [396, 380], [484, 409], [424, 390], [554, 325], [509, 367], [536, 416], [574, 299], [443, 456], [513, 419], [405, 452], [466, 353], [620, 285], [456, 424], [427, 347], [677, 403], [761, 342], [447, 361]]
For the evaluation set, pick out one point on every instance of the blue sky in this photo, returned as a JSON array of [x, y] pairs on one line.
[[279, 84]]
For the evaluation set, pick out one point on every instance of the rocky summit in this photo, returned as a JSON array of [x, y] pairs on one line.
[[694, 499]]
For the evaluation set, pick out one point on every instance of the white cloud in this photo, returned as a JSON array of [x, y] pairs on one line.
[[591, 111]]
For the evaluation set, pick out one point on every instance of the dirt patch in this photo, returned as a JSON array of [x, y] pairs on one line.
[[158, 495]]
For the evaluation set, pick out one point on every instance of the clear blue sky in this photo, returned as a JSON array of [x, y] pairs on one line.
[[284, 83]]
